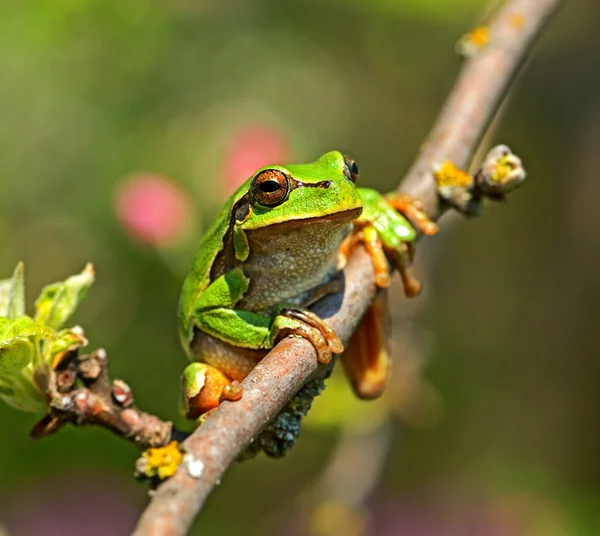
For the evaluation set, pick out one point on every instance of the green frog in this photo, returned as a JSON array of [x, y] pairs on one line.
[[276, 248]]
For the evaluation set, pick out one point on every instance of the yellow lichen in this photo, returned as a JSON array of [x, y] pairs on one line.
[[471, 43], [447, 175], [480, 36], [162, 461], [516, 20]]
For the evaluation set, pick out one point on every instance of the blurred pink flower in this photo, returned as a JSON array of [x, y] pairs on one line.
[[250, 148], [152, 209]]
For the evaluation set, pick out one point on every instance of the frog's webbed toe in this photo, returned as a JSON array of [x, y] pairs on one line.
[[306, 324], [402, 261], [413, 209], [374, 246]]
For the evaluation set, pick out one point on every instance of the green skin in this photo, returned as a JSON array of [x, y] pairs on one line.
[[255, 260]]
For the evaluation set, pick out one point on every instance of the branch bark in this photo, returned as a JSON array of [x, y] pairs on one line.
[[472, 103], [96, 401]]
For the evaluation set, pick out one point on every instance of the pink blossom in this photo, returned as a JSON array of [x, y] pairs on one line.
[[250, 148], [152, 209]]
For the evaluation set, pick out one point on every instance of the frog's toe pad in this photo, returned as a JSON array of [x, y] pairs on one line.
[[158, 464], [232, 392]]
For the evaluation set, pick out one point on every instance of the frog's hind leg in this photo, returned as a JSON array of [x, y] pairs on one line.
[[205, 385], [366, 359]]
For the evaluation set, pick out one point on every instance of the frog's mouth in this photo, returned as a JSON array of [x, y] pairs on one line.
[[341, 217]]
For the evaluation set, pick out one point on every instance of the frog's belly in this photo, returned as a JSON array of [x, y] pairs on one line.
[[287, 262]]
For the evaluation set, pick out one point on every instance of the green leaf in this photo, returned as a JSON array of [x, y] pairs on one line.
[[19, 348], [15, 356], [19, 391], [58, 301], [12, 294], [23, 327]]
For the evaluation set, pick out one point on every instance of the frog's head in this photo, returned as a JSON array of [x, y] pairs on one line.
[[324, 188]]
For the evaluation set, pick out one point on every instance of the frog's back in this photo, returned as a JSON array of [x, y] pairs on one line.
[[198, 276]]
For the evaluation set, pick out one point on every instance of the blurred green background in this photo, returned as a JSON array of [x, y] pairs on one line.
[[106, 103]]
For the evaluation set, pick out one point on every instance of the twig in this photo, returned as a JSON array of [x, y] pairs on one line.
[[472, 103], [477, 94], [98, 402]]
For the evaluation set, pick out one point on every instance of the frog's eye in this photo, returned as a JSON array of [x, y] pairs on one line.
[[270, 187], [350, 169]]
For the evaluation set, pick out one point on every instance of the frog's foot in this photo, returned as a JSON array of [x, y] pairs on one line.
[[158, 464], [400, 255], [413, 210], [369, 237], [402, 261], [291, 321], [374, 246], [366, 360], [204, 387]]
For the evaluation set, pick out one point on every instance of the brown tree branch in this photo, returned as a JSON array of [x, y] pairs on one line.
[[478, 92], [472, 103], [98, 402]]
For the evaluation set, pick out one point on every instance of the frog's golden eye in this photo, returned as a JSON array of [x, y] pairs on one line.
[[350, 169], [270, 187]]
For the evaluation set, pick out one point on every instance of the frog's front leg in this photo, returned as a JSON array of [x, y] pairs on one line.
[[247, 329], [387, 235]]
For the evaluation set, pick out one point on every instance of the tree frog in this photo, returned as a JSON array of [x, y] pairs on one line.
[[274, 249]]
